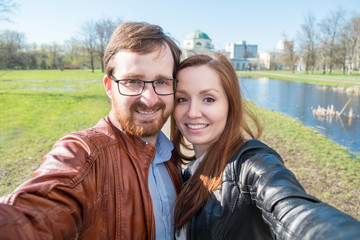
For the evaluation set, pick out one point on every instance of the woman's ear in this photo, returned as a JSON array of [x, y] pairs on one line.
[[107, 85]]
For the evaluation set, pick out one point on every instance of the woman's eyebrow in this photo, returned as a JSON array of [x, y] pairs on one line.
[[209, 90]]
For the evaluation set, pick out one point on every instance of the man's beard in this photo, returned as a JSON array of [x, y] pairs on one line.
[[142, 128]]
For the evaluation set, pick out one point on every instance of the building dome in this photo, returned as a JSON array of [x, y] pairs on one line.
[[197, 42], [198, 35]]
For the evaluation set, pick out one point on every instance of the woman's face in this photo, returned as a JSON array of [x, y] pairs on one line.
[[201, 106]]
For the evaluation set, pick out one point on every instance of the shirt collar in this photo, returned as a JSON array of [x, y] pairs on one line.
[[194, 164], [163, 148]]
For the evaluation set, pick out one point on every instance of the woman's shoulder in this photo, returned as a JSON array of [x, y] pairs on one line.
[[253, 148], [253, 157]]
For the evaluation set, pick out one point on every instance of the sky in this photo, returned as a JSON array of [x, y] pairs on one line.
[[259, 22]]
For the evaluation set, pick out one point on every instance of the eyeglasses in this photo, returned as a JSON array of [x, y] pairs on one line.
[[134, 87]]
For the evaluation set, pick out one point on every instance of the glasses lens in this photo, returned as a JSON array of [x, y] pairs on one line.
[[164, 86], [131, 86]]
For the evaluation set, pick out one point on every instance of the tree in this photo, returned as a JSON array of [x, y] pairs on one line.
[[56, 56], [6, 7], [307, 42], [90, 41], [330, 28], [351, 41], [11, 43], [104, 29], [74, 54], [289, 57]]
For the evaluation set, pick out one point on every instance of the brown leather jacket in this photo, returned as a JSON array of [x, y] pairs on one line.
[[93, 184]]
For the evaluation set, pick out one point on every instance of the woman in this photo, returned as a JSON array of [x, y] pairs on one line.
[[236, 187]]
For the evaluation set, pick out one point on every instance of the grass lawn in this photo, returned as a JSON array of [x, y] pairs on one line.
[[35, 113], [50, 75]]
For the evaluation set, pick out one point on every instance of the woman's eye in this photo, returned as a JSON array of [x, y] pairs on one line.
[[209, 100], [181, 100]]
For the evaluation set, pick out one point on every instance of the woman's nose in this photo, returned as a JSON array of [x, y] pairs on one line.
[[194, 110]]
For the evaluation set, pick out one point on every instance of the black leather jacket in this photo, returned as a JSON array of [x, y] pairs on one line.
[[261, 199]]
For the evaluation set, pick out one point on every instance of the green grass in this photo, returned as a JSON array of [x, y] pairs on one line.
[[50, 75], [335, 79], [34, 114]]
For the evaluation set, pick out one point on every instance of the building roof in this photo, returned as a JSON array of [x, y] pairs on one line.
[[198, 35]]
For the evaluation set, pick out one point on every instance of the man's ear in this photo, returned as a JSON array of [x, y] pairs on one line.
[[107, 85]]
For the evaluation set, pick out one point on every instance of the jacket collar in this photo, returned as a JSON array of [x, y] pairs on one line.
[[142, 151]]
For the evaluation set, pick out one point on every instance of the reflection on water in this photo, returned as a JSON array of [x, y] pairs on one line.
[[299, 100]]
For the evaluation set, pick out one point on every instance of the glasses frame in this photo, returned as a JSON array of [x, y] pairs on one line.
[[175, 82]]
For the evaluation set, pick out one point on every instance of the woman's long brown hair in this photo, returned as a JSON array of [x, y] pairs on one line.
[[237, 130]]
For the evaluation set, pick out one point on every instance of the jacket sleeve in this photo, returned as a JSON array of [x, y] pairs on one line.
[[288, 210], [53, 203]]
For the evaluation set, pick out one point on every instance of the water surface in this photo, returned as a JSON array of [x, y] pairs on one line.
[[298, 100]]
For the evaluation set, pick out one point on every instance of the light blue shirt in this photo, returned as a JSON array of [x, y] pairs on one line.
[[162, 190]]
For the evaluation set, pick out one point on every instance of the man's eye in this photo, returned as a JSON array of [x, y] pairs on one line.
[[162, 82], [133, 81]]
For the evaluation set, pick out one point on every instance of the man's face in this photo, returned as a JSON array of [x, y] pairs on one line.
[[142, 115]]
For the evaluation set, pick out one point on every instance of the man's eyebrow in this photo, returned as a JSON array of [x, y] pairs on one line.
[[163, 77], [142, 76], [133, 75]]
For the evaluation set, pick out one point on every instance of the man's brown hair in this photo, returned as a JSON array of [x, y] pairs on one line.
[[139, 37]]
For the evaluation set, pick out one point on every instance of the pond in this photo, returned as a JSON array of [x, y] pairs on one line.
[[301, 100]]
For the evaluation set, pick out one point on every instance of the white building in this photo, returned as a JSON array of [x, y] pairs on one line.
[[242, 55], [270, 59], [197, 42], [241, 50]]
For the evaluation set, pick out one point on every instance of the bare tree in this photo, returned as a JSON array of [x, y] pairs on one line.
[[74, 54], [90, 41], [6, 7], [307, 42], [104, 28], [11, 43], [351, 41], [330, 28], [56, 56], [341, 53], [289, 57]]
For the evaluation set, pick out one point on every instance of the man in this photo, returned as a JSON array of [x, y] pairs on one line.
[[115, 180]]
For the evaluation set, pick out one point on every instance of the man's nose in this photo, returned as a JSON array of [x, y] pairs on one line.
[[148, 96]]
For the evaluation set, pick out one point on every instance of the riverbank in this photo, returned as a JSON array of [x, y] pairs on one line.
[[336, 79], [323, 167], [37, 108]]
